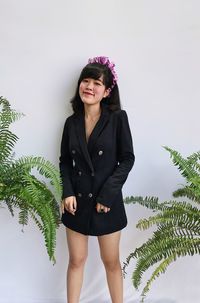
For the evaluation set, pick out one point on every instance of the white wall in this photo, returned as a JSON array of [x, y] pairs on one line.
[[156, 46]]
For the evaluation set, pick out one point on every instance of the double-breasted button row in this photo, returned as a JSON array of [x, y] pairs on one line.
[[100, 152], [90, 195], [80, 173]]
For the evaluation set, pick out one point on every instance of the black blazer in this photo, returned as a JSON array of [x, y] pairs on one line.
[[96, 171]]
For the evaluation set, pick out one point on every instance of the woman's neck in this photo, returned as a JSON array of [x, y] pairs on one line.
[[92, 111]]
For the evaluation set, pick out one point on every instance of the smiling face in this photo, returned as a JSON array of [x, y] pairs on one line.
[[92, 91]]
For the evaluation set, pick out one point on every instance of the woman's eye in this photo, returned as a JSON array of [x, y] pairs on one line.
[[85, 80], [98, 83]]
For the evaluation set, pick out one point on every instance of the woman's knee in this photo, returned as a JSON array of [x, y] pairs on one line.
[[76, 262], [111, 264]]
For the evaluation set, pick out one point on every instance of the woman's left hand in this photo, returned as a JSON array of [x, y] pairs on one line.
[[102, 208]]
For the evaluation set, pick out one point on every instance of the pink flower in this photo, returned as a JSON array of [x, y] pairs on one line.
[[105, 61]]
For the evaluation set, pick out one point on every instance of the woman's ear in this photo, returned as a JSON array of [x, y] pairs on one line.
[[107, 92]]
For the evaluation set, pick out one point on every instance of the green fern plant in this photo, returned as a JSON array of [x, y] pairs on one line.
[[21, 189], [177, 224]]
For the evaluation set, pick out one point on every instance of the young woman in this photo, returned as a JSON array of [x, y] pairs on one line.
[[96, 157]]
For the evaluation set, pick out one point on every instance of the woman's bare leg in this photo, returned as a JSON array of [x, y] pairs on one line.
[[109, 249], [78, 250]]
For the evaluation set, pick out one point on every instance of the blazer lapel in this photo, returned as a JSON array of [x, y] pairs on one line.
[[80, 129], [98, 129]]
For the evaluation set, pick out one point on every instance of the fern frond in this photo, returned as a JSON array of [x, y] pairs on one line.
[[45, 168], [7, 114], [148, 202], [39, 191], [23, 216], [194, 157], [161, 249], [176, 224], [5, 103], [170, 228], [9, 203], [160, 269], [38, 200], [179, 212], [7, 142], [186, 170], [189, 192], [193, 160], [36, 219], [20, 189], [188, 247]]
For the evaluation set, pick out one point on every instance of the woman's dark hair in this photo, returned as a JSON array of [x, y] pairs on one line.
[[95, 71]]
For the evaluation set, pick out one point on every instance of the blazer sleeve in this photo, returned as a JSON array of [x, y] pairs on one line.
[[66, 163], [126, 159]]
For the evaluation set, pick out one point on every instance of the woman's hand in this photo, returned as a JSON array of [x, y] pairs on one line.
[[69, 204], [101, 208]]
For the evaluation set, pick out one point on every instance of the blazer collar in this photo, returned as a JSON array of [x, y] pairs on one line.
[[80, 129]]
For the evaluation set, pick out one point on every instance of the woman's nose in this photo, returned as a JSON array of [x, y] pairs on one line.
[[90, 85]]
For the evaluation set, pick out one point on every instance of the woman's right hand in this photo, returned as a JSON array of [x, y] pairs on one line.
[[69, 204]]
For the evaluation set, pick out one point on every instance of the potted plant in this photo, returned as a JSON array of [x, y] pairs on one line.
[[21, 189], [177, 224]]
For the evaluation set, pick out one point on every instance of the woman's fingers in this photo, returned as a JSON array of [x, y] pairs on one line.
[[69, 204], [101, 208], [72, 206], [106, 209], [75, 204], [98, 207]]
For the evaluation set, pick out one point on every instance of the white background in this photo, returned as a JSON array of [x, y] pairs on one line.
[[43, 46]]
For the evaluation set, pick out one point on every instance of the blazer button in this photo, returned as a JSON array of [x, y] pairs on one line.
[[90, 195], [79, 195], [79, 173], [73, 151], [100, 153]]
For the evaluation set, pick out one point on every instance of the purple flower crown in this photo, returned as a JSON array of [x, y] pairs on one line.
[[105, 61]]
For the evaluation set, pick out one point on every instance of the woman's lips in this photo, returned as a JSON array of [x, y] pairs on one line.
[[88, 94]]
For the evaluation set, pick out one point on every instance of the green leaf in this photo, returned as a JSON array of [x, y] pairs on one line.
[[36, 196], [176, 225]]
